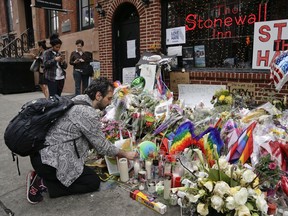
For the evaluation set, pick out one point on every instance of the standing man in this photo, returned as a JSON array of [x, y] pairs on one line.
[[54, 67], [60, 166], [79, 59]]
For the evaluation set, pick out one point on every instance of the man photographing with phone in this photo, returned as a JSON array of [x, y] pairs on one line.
[[54, 67]]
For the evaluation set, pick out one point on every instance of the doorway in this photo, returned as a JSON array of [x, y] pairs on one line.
[[126, 39], [29, 23]]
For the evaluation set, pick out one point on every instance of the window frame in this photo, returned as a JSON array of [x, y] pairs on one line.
[[52, 18], [90, 10]]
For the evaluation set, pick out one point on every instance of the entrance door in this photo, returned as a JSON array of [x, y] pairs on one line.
[[29, 23], [126, 39]]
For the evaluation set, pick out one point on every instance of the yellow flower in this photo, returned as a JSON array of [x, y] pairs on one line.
[[222, 98], [228, 99]]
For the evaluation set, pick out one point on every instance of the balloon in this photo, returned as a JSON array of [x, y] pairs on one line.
[[138, 82], [147, 149]]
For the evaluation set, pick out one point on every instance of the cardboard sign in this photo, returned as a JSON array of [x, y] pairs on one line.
[[244, 89], [178, 78]]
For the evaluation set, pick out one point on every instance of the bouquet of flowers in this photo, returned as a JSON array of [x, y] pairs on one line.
[[222, 98], [223, 189]]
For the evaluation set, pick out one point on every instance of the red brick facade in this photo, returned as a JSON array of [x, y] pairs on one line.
[[150, 29]]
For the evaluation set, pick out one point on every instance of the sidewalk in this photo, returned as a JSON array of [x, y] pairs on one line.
[[110, 200]]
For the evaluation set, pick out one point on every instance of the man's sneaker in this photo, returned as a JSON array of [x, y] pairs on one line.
[[33, 190]]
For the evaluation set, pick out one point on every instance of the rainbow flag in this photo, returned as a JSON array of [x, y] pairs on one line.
[[219, 124], [183, 138], [243, 147], [206, 140]]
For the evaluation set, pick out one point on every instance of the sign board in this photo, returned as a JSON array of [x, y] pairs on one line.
[[270, 39], [244, 89], [178, 78], [56, 4], [176, 35], [193, 94]]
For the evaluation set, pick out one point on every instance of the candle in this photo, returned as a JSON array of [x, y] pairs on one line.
[[123, 169], [148, 165], [136, 168], [167, 186]]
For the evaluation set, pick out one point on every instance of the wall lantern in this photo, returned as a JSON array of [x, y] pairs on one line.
[[100, 10]]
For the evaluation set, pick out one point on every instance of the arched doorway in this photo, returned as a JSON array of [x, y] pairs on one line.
[[126, 39]]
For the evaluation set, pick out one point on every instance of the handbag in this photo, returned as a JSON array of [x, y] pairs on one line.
[[35, 66], [88, 70]]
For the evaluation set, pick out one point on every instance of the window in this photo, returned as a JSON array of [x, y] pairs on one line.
[[53, 21], [86, 14], [220, 33]]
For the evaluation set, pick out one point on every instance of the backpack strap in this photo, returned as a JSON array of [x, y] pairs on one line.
[[7, 210], [17, 161]]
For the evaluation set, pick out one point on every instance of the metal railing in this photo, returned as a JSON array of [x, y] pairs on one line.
[[12, 47]]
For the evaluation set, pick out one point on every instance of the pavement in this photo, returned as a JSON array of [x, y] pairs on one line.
[[110, 200]]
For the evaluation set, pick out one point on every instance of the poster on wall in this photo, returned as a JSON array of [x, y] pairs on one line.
[[199, 53], [270, 40], [175, 35], [128, 75], [188, 58]]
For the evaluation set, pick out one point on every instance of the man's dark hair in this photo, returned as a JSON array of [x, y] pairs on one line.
[[79, 41], [101, 85], [55, 40]]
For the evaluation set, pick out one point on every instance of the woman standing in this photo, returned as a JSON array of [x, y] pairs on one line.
[[41, 48], [54, 65], [79, 60]]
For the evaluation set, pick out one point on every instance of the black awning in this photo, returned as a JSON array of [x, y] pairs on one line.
[[52, 4]]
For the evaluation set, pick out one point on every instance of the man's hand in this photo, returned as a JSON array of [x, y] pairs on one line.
[[130, 155]]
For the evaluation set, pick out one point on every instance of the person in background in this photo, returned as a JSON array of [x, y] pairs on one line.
[[60, 167], [78, 59], [41, 48], [54, 67]]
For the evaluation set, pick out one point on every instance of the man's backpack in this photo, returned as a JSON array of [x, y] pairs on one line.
[[26, 132]]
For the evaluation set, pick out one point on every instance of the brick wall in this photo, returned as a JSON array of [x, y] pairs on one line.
[[150, 29], [263, 89]]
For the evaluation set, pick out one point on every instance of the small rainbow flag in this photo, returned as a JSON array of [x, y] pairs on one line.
[[206, 140], [183, 138], [243, 147]]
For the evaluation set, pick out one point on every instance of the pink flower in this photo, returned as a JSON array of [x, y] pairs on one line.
[[272, 166]]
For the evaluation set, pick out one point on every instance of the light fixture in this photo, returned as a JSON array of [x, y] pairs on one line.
[[99, 9], [146, 2]]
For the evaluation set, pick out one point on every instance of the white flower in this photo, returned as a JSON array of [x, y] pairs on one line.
[[202, 209], [221, 188], [241, 196], [242, 211], [223, 163], [248, 176], [234, 190], [230, 203], [202, 175], [217, 202], [193, 198], [209, 185], [262, 204]]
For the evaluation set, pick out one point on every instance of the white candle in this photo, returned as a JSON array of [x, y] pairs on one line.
[[167, 187], [123, 169], [148, 165], [136, 168]]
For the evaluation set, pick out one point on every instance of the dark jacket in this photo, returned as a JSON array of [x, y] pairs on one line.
[[50, 65], [86, 56]]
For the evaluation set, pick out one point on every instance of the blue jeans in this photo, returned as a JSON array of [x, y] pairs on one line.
[[78, 78]]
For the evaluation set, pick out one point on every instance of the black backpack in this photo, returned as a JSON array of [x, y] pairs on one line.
[[26, 132]]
